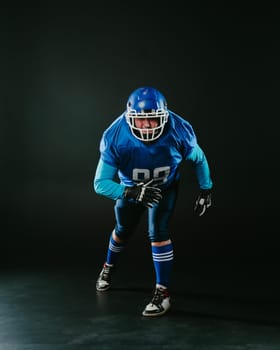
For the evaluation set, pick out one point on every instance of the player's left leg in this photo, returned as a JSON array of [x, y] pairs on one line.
[[162, 252]]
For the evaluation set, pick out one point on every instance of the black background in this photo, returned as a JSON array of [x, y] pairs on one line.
[[66, 73]]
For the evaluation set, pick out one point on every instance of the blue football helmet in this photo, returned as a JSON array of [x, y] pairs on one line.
[[145, 103]]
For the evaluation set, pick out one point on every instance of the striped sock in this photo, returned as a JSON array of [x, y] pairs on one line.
[[163, 259], [113, 251]]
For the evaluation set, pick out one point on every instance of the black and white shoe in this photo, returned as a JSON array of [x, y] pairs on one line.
[[159, 304], [104, 279]]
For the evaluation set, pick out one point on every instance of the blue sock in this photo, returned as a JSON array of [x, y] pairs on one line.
[[163, 260], [113, 251]]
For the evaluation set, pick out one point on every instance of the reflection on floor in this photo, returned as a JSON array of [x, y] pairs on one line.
[[57, 307]]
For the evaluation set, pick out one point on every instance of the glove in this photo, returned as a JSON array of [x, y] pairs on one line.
[[144, 194], [203, 202]]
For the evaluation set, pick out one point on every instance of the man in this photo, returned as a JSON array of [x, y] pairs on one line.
[[144, 147]]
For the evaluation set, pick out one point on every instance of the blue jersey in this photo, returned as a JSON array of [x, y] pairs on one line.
[[136, 161]]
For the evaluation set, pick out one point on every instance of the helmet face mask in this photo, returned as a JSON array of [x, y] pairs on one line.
[[146, 104]]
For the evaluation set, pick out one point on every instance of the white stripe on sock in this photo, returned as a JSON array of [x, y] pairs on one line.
[[115, 249], [167, 256]]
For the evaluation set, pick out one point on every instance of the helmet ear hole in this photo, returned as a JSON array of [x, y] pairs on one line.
[[146, 103]]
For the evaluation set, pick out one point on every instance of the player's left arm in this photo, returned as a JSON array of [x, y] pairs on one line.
[[204, 200]]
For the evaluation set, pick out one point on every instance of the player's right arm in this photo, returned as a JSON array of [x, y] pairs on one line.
[[104, 181], [104, 184]]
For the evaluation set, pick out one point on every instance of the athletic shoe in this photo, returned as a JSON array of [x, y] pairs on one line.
[[159, 304], [104, 279]]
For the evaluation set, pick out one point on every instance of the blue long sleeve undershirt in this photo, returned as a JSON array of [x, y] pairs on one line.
[[104, 181], [197, 156]]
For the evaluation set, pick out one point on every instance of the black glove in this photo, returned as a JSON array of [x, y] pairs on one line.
[[203, 202], [144, 194]]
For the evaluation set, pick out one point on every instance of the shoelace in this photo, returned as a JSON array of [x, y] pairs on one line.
[[106, 273], [158, 297]]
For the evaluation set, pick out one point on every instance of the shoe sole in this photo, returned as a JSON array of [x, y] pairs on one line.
[[147, 314], [103, 289]]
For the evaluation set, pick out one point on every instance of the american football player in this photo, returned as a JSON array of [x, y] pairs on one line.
[[140, 155]]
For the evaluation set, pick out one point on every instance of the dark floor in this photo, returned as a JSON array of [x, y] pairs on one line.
[[214, 306]]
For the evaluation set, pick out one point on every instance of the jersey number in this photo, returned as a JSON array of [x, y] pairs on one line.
[[159, 174]]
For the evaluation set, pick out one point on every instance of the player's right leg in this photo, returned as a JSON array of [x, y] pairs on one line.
[[114, 249], [127, 216]]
